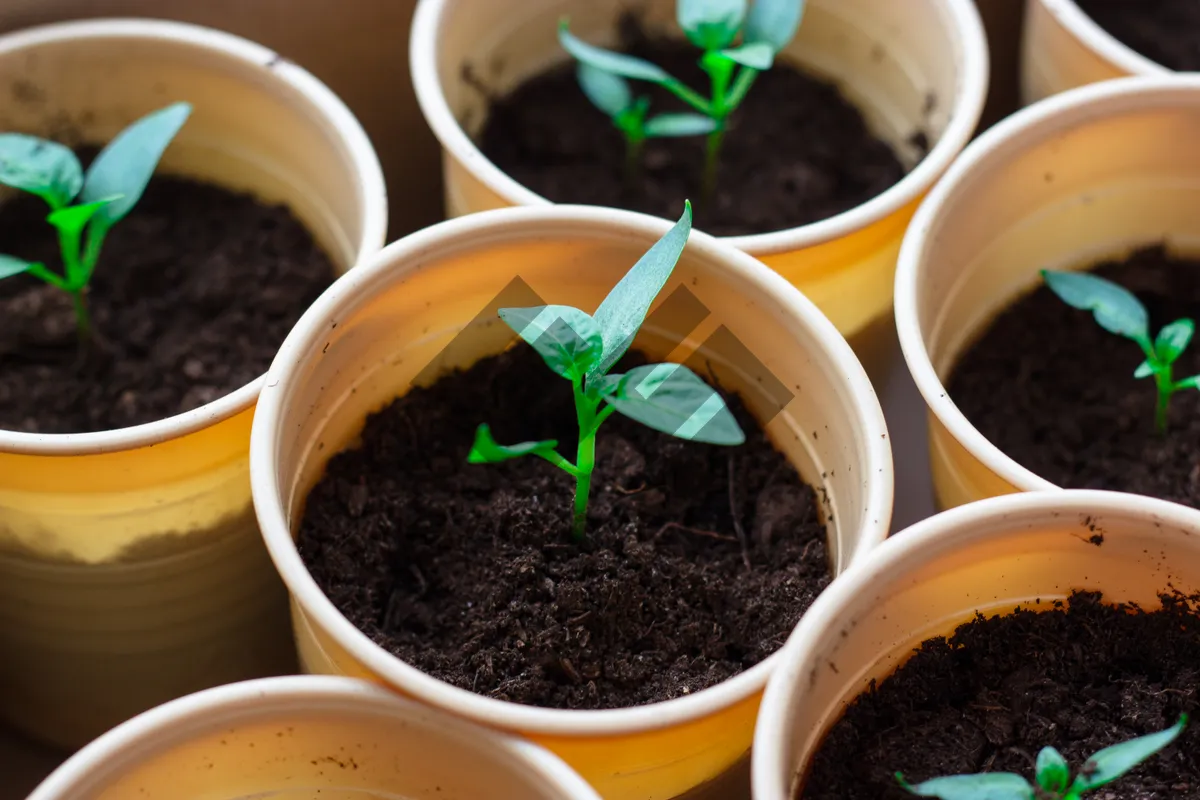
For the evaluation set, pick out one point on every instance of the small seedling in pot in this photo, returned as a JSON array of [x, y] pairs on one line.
[[739, 40], [85, 206], [583, 348], [1118, 311], [1052, 774]]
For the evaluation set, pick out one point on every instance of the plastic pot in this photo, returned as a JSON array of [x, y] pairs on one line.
[[428, 303], [1062, 48], [131, 570], [1081, 176], [989, 557], [301, 737], [920, 65]]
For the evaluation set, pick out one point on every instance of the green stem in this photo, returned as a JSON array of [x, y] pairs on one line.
[[633, 159], [585, 462], [741, 85], [1166, 387], [688, 95], [712, 156]]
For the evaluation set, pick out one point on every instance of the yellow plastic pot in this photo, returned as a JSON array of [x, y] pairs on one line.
[[916, 65], [307, 737], [1084, 175], [131, 570], [428, 303], [1062, 48], [989, 557]]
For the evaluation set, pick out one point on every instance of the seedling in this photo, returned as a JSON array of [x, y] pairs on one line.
[[582, 348], [1118, 311], [102, 197], [1052, 773], [764, 26]]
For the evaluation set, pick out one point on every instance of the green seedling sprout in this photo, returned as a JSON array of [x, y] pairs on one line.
[[582, 348], [1118, 311], [764, 26], [102, 196], [1052, 774]]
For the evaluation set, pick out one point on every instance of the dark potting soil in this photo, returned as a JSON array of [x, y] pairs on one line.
[[1079, 678], [1165, 31], [1055, 391], [195, 291], [796, 151], [469, 573]]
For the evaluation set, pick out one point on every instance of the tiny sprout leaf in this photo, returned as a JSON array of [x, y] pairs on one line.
[[125, 166], [567, 339], [607, 61], [773, 22], [985, 786], [1173, 339], [487, 451], [1192, 382], [756, 55], [680, 124], [673, 399], [710, 24], [608, 92], [1112, 762], [1053, 772], [74, 218], [622, 312], [11, 265], [1115, 308], [46, 169], [1144, 370]]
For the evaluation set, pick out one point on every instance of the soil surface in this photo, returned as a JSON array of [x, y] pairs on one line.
[[796, 150], [1056, 392], [1165, 31], [195, 291], [469, 573], [1079, 678]]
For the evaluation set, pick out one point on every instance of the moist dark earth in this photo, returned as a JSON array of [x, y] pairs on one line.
[[1166, 31], [1079, 678], [1056, 392], [469, 572], [194, 292], [796, 150]]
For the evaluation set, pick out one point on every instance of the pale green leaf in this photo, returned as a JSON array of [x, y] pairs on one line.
[[11, 265], [985, 786], [125, 166], [756, 55], [41, 167], [1192, 382], [623, 311], [608, 61], [673, 399], [487, 451], [1112, 762], [773, 22], [1053, 772], [1115, 308], [1144, 370], [608, 92], [567, 339], [710, 24], [1173, 339], [679, 124]]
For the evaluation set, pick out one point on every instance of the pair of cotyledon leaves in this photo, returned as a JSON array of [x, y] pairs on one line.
[[1053, 774], [582, 348], [766, 27], [107, 192]]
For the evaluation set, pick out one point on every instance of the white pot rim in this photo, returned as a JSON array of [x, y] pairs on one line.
[[177, 721], [372, 193], [1069, 108], [921, 542], [968, 107], [497, 224], [1100, 41]]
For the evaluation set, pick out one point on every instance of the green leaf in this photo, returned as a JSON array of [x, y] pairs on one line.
[[1144, 370], [985, 786], [624, 310], [1053, 772], [1173, 339], [487, 451], [567, 339], [608, 61], [608, 92], [1192, 382], [125, 166], [773, 22], [1113, 762], [1115, 308], [756, 55], [41, 167], [680, 124], [673, 399], [11, 265], [74, 218], [710, 24]]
